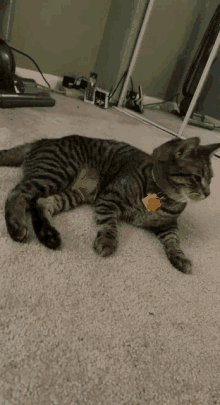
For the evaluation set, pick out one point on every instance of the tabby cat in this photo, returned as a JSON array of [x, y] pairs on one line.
[[114, 177]]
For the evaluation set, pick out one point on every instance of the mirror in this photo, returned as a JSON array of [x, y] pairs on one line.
[[168, 69]]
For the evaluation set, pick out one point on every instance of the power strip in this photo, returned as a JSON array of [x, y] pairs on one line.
[[68, 82]]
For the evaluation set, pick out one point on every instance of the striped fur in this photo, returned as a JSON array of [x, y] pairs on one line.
[[113, 177]]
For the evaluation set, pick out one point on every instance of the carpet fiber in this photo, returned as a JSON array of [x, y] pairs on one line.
[[126, 330]]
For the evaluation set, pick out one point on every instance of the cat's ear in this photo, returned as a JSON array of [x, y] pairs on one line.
[[208, 150], [186, 147], [163, 152]]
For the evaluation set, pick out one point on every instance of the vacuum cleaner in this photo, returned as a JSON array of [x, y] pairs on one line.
[[16, 91]]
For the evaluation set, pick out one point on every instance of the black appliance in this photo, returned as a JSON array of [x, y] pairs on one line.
[[16, 91]]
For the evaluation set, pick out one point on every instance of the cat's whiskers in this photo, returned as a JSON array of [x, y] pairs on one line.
[[184, 198]]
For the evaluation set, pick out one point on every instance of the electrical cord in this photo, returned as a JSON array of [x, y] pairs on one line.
[[132, 85], [39, 85], [83, 77], [110, 95], [162, 102], [52, 90], [22, 53]]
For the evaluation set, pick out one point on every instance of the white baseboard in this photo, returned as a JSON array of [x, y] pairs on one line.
[[54, 81]]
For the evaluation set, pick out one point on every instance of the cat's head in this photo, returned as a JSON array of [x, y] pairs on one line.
[[183, 170]]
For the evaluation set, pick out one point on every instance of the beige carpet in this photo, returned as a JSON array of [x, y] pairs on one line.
[[127, 330]]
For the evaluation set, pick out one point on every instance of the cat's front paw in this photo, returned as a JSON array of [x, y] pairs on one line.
[[103, 245], [180, 262]]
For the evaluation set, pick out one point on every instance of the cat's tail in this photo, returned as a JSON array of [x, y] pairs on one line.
[[14, 157]]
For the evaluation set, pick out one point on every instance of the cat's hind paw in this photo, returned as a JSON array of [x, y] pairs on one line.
[[44, 230], [17, 230], [49, 236]]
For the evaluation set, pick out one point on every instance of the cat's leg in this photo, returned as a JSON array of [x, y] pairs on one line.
[[16, 207], [18, 204], [107, 213], [169, 237], [43, 211], [84, 190]]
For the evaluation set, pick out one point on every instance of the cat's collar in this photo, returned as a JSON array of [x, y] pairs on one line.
[[160, 194]]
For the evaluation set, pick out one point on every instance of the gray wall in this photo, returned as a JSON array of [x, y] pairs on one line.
[[62, 36], [73, 38]]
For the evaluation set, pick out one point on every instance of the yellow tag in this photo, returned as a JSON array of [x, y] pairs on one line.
[[151, 202]]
